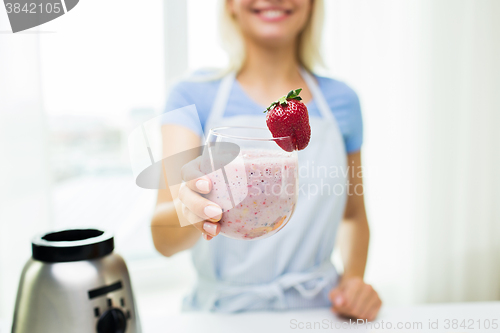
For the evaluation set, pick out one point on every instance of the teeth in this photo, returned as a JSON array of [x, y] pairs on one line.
[[273, 13]]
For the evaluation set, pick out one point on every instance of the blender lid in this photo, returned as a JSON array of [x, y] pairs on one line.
[[72, 245]]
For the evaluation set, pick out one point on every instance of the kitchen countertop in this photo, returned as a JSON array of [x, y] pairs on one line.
[[322, 320], [468, 317]]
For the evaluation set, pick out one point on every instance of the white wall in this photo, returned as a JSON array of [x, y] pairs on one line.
[[24, 176], [428, 77], [372, 45], [460, 193]]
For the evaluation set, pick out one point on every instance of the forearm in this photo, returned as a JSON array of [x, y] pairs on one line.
[[353, 297], [169, 237], [354, 239]]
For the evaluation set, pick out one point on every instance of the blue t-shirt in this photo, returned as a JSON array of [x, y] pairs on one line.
[[343, 102]]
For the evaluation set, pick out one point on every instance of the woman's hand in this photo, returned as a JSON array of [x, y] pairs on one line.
[[356, 299], [200, 212]]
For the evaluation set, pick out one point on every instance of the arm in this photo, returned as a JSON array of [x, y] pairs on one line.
[[353, 297], [168, 235], [354, 233]]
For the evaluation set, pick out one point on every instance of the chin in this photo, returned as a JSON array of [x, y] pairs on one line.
[[275, 38]]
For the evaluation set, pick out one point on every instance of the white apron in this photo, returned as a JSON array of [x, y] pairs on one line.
[[291, 269]]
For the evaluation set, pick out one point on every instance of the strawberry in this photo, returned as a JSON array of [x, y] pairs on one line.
[[288, 117]]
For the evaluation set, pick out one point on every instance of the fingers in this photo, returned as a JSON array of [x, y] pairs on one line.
[[352, 291], [208, 229], [200, 212], [336, 297], [197, 208], [355, 299], [363, 301], [196, 180], [372, 308]]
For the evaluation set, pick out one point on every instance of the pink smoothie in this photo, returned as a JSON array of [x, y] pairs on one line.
[[263, 185]]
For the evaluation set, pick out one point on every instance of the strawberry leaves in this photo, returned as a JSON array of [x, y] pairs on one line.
[[292, 94]]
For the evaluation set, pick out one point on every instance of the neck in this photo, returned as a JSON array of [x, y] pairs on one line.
[[269, 64]]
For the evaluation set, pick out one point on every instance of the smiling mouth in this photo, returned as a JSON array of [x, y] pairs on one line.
[[272, 14]]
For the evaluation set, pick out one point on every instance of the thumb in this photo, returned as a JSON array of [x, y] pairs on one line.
[[336, 297]]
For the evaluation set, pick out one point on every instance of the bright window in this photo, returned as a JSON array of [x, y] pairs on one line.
[[115, 81], [203, 39]]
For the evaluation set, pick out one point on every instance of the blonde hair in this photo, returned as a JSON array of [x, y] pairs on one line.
[[308, 46]]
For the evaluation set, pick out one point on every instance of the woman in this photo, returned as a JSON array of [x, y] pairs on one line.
[[273, 47]]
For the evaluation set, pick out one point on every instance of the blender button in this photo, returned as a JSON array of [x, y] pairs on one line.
[[96, 312], [122, 302], [128, 314], [109, 302]]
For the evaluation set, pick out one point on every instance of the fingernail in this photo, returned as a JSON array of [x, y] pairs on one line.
[[210, 228], [338, 300], [205, 236], [203, 185], [212, 211]]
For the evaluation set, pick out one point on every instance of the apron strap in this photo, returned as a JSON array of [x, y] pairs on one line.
[[318, 96], [222, 96], [323, 107]]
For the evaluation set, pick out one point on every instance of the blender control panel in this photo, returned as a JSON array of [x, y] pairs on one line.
[[113, 315]]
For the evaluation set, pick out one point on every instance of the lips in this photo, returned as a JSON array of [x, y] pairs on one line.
[[272, 14]]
